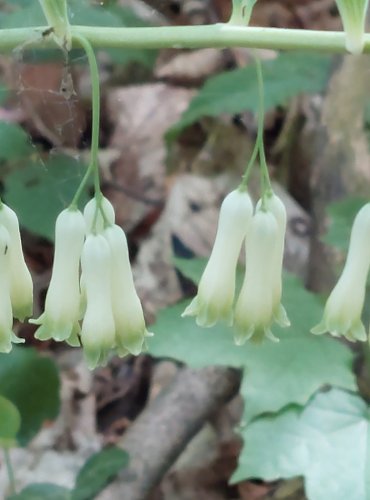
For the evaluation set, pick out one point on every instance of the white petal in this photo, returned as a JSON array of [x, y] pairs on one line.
[[98, 328], [254, 310], [6, 316], [63, 296], [127, 310], [21, 286], [217, 286], [274, 205], [343, 309]]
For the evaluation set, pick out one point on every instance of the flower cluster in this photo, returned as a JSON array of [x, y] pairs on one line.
[[343, 309], [16, 291], [102, 296], [258, 304]]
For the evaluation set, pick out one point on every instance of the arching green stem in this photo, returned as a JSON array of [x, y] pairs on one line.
[[93, 168]]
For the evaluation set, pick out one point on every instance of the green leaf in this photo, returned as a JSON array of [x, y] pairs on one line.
[[42, 491], [15, 143], [10, 422], [38, 193], [342, 215], [275, 374], [98, 471], [286, 76], [327, 442], [31, 383]]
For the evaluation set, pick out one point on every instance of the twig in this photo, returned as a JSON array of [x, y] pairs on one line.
[[166, 426]]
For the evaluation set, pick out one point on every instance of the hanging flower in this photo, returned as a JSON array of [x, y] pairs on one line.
[[216, 290], [343, 309], [353, 14], [60, 318], [274, 205], [98, 327], [256, 304], [127, 311], [6, 316], [20, 281]]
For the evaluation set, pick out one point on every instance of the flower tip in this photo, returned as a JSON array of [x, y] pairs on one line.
[[241, 336], [16, 340], [319, 329], [281, 317], [269, 335]]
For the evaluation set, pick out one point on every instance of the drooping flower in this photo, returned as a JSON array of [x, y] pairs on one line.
[[343, 309], [215, 297], [274, 205], [353, 14], [127, 310], [98, 214], [98, 327], [20, 281], [256, 304], [6, 316], [60, 318]]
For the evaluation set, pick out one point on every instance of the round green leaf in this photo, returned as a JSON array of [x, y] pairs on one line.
[[10, 422], [31, 383]]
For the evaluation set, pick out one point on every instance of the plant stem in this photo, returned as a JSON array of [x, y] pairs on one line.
[[93, 168], [216, 35], [9, 469], [265, 177]]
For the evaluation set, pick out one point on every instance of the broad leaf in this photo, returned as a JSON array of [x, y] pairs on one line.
[[38, 193], [10, 421], [234, 91], [98, 471], [275, 374], [327, 442], [15, 143], [42, 491], [31, 383]]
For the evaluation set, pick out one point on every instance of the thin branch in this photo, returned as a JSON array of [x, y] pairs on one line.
[[165, 427]]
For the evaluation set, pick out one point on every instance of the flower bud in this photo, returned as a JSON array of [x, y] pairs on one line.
[[93, 213], [60, 318], [98, 328], [216, 289], [127, 310], [254, 310], [21, 286], [343, 309], [353, 14], [6, 316]]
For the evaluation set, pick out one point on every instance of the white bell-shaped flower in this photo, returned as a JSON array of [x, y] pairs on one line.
[[353, 14], [127, 310], [343, 309], [254, 309], [98, 327], [6, 316], [274, 205], [98, 214], [21, 286], [60, 318], [216, 290]]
